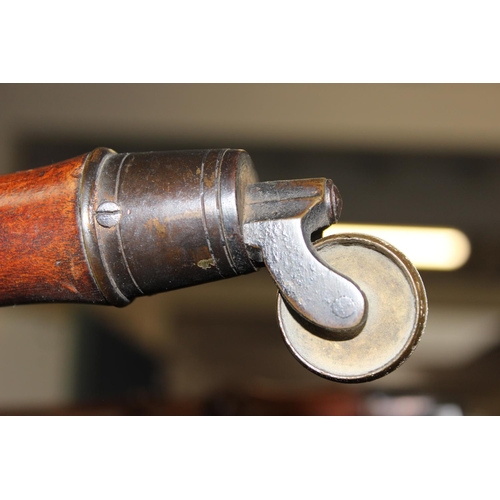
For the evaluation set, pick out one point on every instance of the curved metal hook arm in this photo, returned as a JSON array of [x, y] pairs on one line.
[[279, 220]]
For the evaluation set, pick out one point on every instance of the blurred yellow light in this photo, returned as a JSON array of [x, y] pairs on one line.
[[429, 248]]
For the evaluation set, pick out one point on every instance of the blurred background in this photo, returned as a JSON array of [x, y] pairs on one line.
[[426, 155]]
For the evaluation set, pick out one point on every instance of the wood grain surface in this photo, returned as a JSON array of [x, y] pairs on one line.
[[41, 248]]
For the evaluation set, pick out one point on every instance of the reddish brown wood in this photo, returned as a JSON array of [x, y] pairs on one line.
[[41, 250]]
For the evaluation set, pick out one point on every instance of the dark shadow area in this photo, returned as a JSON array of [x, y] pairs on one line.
[[111, 367]]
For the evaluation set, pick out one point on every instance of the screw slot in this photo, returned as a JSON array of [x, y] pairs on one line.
[[108, 214]]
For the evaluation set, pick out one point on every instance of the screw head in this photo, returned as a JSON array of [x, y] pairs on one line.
[[108, 214]]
